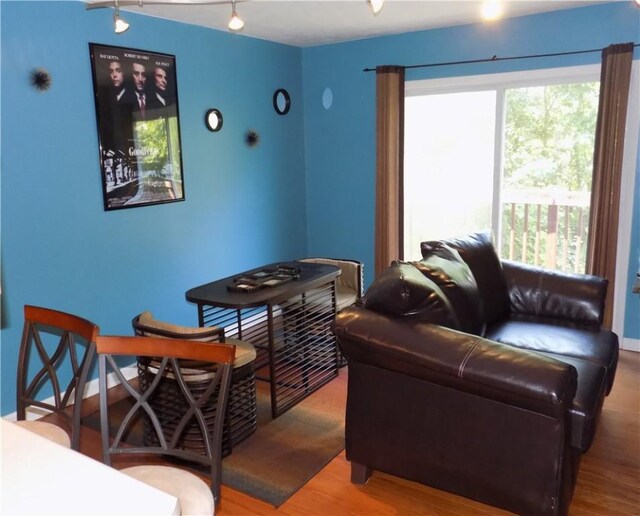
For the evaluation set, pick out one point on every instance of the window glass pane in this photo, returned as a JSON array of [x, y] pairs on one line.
[[448, 166], [548, 164]]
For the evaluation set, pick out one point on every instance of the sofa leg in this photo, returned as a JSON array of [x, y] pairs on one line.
[[360, 473]]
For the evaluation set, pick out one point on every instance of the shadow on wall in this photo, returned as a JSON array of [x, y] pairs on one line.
[[3, 297]]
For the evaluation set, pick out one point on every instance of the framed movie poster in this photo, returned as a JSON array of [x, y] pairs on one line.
[[136, 97]]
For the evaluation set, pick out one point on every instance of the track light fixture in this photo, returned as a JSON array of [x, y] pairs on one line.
[[119, 25], [375, 5], [235, 23]]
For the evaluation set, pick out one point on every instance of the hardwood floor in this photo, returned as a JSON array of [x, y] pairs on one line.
[[608, 482]]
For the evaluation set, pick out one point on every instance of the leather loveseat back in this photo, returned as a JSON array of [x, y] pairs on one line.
[[545, 293]]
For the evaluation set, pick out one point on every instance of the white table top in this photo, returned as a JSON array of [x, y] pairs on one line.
[[42, 477]]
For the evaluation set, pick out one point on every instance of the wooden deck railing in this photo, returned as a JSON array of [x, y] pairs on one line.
[[547, 229]]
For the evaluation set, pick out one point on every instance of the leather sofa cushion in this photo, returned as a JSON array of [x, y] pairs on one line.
[[552, 336], [444, 266], [403, 291], [478, 252]]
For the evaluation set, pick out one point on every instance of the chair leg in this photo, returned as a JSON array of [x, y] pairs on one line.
[[81, 383], [360, 473], [227, 438]]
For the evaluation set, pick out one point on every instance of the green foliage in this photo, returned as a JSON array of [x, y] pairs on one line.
[[548, 152]]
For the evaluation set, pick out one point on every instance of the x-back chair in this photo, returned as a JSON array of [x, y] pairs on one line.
[[56, 353], [176, 359]]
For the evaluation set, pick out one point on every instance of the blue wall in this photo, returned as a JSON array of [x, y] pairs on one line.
[[306, 189], [340, 142], [244, 206], [632, 307]]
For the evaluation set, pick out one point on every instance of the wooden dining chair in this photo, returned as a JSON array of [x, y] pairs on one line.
[[56, 353], [179, 360]]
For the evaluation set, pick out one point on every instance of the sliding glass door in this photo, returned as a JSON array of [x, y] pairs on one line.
[[449, 166], [510, 152]]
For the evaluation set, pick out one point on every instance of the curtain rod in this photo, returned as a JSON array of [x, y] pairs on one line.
[[496, 58]]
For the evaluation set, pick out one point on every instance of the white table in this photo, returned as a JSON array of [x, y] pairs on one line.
[[42, 477]]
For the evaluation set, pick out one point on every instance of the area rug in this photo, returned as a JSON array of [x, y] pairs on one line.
[[284, 453]]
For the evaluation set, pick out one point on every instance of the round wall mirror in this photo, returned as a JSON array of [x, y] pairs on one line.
[[213, 120], [281, 101]]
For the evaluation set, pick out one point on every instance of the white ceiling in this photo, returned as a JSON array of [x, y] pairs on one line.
[[306, 23]]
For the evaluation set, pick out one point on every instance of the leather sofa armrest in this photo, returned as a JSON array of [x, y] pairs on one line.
[[543, 292], [458, 360]]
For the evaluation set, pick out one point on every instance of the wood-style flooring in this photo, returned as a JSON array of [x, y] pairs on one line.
[[608, 482]]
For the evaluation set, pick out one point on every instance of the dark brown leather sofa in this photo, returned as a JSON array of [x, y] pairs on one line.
[[480, 377]]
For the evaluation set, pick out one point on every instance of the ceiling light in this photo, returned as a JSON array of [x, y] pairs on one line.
[[491, 10], [375, 5], [119, 25], [235, 23], [637, 3]]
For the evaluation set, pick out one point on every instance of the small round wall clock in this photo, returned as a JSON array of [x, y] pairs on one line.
[[281, 101]]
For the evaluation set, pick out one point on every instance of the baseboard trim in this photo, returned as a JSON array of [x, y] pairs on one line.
[[631, 344], [91, 389]]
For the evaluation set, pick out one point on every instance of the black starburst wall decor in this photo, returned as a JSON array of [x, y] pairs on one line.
[[252, 138], [40, 79]]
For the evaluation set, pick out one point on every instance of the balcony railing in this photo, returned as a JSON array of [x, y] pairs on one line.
[[546, 228]]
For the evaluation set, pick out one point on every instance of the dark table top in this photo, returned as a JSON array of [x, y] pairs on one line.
[[216, 293]]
